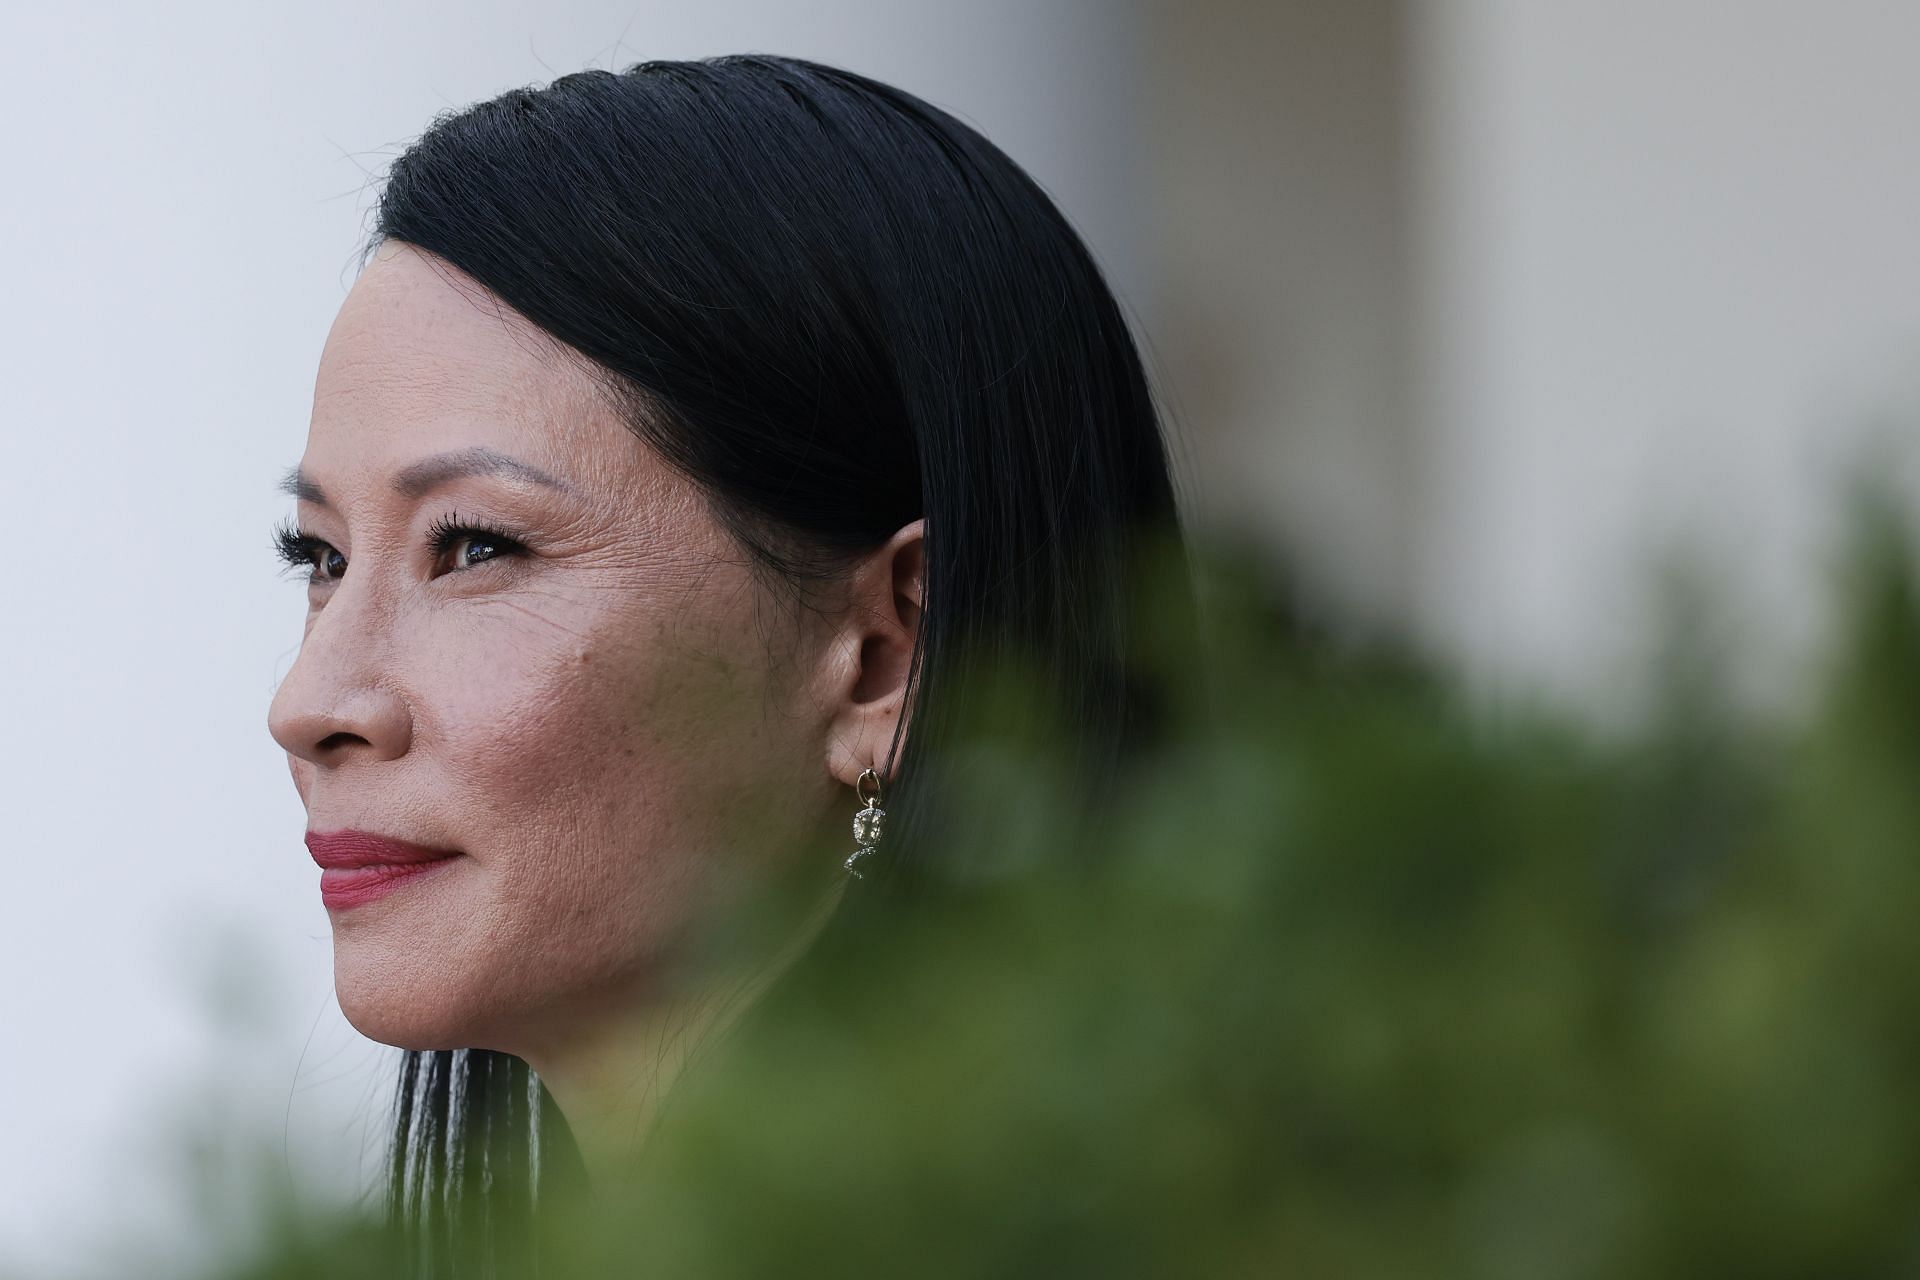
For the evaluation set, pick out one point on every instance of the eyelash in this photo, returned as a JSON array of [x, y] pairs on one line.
[[300, 550]]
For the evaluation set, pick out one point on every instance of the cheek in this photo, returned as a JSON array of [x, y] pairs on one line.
[[588, 762]]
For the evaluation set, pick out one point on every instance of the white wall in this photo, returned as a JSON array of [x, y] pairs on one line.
[[1668, 280], [185, 186], [1278, 247]]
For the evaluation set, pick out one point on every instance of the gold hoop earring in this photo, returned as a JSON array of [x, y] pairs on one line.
[[868, 823]]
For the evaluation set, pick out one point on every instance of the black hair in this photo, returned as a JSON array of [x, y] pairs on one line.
[[837, 309]]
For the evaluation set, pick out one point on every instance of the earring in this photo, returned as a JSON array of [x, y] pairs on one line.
[[867, 823]]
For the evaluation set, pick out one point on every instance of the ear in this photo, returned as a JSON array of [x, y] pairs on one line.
[[873, 652]]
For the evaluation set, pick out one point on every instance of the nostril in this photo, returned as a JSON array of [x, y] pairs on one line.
[[372, 720]]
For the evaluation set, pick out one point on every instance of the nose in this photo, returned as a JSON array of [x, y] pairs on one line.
[[336, 703]]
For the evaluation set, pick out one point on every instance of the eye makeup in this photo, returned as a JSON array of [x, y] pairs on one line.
[[296, 548]]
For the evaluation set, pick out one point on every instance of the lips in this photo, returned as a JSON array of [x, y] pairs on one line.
[[358, 866], [364, 849]]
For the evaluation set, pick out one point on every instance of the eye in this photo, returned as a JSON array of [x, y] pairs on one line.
[[477, 543], [299, 550]]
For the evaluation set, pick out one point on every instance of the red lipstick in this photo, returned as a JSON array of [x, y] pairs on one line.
[[358, 866]]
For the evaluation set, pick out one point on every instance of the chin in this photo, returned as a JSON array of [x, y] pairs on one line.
[[389, 1003]]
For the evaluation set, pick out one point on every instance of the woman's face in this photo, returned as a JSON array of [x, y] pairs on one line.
[[601, 715]]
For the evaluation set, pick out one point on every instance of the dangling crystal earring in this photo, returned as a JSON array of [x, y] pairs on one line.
[[867, 823]]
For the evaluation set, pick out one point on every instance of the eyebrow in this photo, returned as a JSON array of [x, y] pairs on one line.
[[422, 477]]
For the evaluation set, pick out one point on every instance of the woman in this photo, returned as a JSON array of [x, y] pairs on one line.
[[692, 442]]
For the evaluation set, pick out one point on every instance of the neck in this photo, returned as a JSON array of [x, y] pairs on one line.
[[611, 1074], [611, 1085]]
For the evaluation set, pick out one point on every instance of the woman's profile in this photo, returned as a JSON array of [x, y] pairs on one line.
[[691, 441]]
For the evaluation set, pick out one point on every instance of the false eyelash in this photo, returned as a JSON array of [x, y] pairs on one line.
[[300, 550], [295, 548], [449, 529]]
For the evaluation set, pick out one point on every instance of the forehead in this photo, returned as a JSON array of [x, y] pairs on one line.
[[422, 358]]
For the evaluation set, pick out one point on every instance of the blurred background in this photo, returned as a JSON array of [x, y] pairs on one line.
[[1479, 313]]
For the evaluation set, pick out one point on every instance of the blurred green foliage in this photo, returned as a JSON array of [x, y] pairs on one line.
[[1354, 978]]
